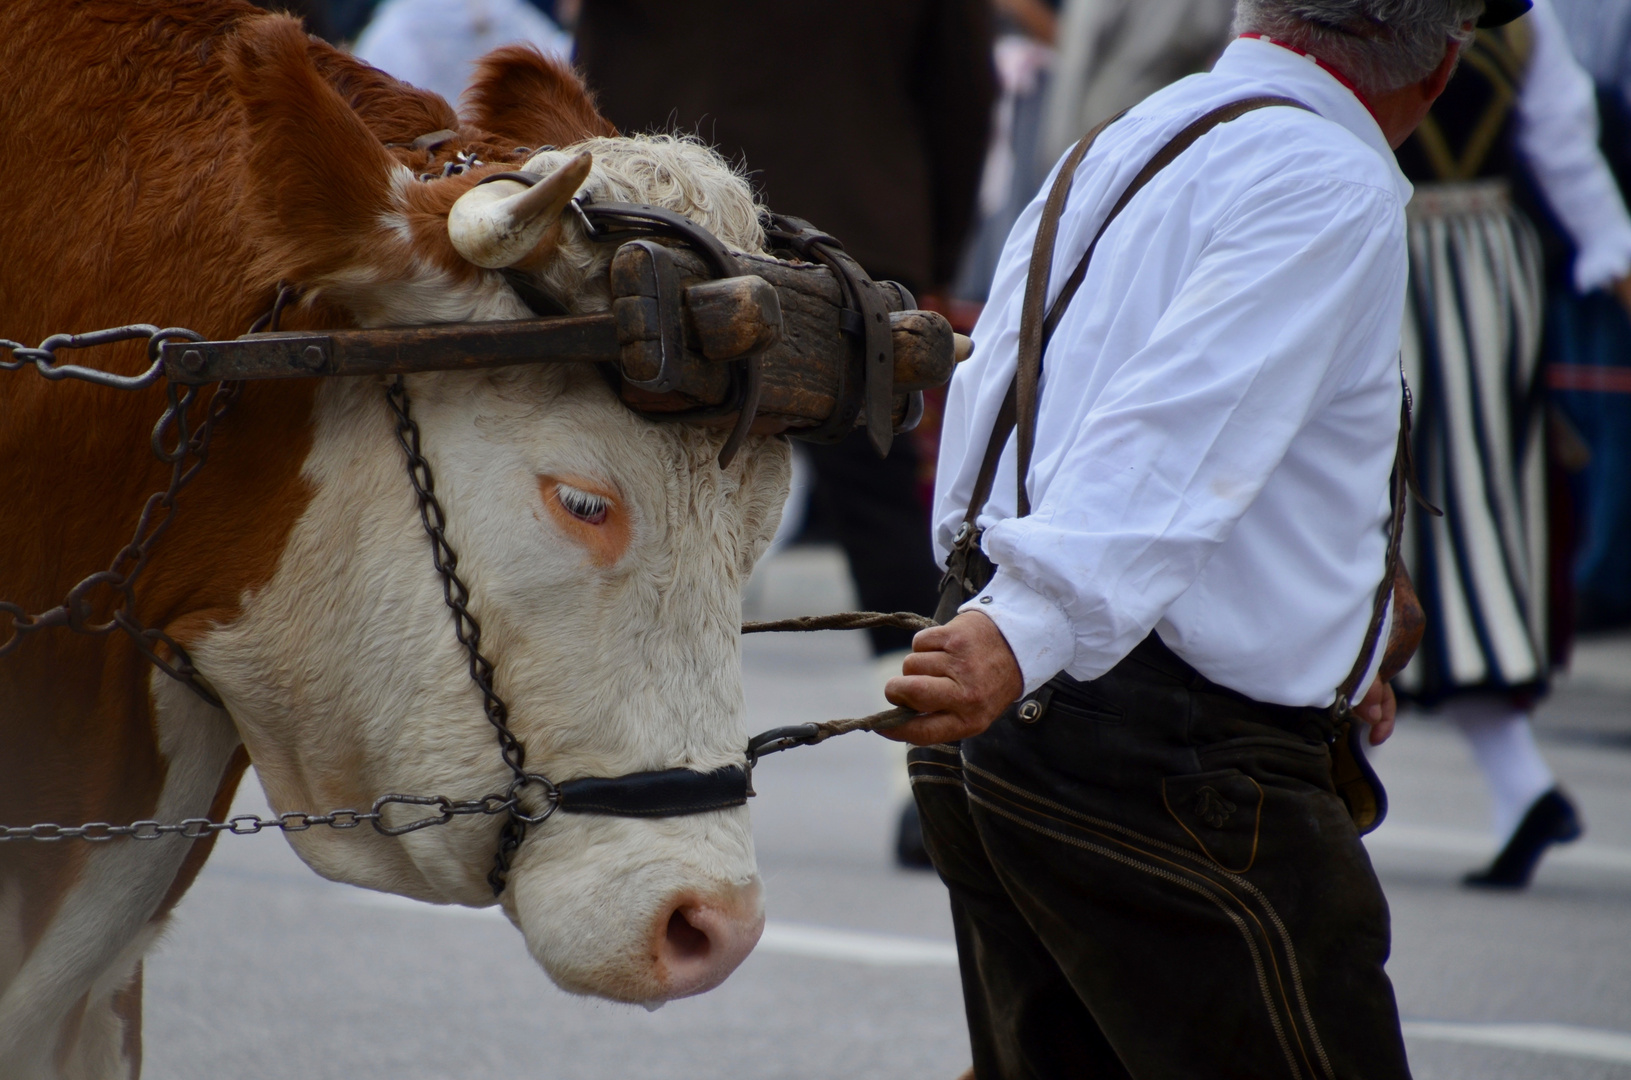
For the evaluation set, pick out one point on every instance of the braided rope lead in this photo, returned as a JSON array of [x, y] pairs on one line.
[[785, 738], [843, 620]]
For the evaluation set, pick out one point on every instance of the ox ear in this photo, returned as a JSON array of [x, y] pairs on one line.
[[320, 190], [394, 111], [526, 98]]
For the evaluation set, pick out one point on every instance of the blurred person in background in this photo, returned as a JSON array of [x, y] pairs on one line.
[[865, 117], [345, 19], [1588, 344], [1112, 54], [1023, 54], [1518, 104], [434, 44]]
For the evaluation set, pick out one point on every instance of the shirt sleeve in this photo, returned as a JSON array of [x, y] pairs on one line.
[[1296, 293], [1557, 135]]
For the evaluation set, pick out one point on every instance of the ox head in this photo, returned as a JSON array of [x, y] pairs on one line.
[[606, 553]]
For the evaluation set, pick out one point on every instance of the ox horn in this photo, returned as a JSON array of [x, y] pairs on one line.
[[499, 224]]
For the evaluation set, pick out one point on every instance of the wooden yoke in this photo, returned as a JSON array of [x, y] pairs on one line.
[[791, 314], [675, 338]]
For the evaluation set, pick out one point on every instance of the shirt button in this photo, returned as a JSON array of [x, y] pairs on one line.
[[985, 599]]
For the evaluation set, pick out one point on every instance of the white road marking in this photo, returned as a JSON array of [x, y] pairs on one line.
[[1561, 1039], [885, 950], [897, 950], [1476, 846], [784, 938]]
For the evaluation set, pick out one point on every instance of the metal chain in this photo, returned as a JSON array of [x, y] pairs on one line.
[[249, 824], [445, 810], [457, 596], [185, 456]]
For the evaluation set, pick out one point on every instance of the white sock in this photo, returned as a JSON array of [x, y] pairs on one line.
[[1503, 743]]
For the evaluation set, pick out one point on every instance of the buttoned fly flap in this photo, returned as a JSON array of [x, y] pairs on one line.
[[1221, 812]]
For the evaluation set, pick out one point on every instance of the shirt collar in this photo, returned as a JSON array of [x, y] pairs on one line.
[[1300, 76]]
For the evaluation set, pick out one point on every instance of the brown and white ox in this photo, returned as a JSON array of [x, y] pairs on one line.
[[168, 161]]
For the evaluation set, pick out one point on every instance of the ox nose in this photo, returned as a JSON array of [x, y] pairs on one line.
[[701, 939]]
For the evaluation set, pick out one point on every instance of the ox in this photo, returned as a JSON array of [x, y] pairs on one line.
[[170, 161]]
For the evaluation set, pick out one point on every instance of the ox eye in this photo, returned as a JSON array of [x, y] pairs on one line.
[[591, 509]]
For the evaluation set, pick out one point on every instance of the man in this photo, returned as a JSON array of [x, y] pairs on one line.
[[1151, 872]]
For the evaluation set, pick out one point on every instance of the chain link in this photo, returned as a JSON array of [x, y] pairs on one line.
[[175, 442], [444, 811], [185, 448], [457, 596]]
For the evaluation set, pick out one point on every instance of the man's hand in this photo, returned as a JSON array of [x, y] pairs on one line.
[[961, 676], [1378, 709]]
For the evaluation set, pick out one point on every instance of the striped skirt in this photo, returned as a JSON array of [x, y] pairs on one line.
[[1471, 351]]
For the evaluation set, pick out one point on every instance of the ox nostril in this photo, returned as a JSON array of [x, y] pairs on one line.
[[685, 941], [701, 940]]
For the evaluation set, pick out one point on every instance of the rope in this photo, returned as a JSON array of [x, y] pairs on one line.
[[843, 620], [809, 734]]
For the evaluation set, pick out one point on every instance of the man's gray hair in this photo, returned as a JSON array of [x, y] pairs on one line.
[[1380, 44]]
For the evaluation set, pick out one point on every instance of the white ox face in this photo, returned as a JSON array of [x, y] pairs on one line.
[[606, 555]]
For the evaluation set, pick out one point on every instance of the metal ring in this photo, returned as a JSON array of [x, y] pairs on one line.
[[552, 796]]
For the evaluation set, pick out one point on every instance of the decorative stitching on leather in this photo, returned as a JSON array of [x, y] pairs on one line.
[[1257, 825], [916, 780], [953, 769], [1268, 908], [1175, 879]]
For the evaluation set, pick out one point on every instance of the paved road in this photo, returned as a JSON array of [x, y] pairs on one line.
[[274, 974]]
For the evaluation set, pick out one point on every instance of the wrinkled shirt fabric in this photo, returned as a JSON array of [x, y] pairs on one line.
[[1219, 404]]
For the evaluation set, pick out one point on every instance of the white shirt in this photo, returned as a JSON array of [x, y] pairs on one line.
[[1219, 404], [1600, 38], [434, 44], [1557, 136]]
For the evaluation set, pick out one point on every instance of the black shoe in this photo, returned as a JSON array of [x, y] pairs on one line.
[[1550, 820], [909, 849]]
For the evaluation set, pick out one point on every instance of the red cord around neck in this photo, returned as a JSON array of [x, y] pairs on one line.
[[1334, 71]]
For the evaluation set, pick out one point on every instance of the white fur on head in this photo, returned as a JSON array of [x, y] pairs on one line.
[[405, 288], [347, 682], [671, 171]]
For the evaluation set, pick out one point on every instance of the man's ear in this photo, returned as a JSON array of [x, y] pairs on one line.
[[1434, 84], [526, 98]]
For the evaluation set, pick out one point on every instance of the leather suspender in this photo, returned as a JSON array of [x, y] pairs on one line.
[[964, 574], [967, 569]]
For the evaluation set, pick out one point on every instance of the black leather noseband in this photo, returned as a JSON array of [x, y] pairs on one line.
[[665, 793]]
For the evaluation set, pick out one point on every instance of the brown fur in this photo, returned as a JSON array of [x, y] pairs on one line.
[[168, 162], [525, 99]]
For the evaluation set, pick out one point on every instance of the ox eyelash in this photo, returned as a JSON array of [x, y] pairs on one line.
[[583, 505]]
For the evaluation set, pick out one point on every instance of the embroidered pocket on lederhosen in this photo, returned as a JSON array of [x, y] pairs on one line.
[[1221, 811]]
